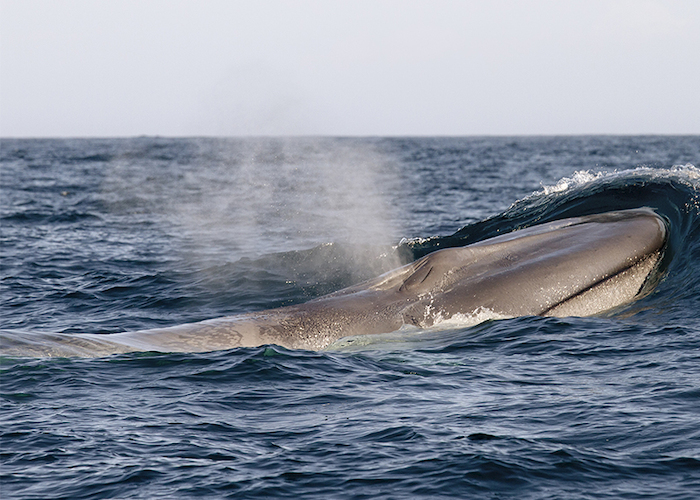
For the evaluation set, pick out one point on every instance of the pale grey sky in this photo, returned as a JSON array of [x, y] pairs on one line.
[[438, 67]]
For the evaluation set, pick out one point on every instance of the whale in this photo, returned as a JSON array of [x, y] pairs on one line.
[[579, 266]]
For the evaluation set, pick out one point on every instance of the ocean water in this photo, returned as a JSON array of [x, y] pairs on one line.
[[111, 235]]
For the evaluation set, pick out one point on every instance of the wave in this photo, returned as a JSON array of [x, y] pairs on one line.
[[673, 193]]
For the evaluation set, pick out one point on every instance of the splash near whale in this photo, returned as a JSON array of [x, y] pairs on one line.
[[577, 266]]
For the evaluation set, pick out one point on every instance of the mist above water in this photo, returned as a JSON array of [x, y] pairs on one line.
[[257, 197]]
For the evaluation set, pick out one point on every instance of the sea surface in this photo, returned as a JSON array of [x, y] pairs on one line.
[[112, 235]]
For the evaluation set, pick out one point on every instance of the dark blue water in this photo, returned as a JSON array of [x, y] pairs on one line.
[[104, 236]]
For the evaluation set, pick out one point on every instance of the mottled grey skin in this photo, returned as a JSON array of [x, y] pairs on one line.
[[573, 267]]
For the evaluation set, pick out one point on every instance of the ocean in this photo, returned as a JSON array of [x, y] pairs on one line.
[[113, 235]]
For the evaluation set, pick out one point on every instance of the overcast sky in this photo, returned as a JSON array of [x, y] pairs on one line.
[[208, 67]]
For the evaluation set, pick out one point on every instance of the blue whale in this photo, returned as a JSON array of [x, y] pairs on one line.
[[579, 266]]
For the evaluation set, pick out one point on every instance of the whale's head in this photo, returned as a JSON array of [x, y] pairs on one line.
[[580, 266]]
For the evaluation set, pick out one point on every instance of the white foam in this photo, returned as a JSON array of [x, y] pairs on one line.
[[409, 334], [688, 174], [462, 320], [579, 178]]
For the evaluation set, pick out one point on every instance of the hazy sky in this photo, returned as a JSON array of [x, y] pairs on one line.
[[208, 67]]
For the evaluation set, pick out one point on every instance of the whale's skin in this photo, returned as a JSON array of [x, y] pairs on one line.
[[579, 266]]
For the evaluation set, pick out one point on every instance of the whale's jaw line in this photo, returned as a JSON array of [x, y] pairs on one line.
[[637, 276], [610, 293]]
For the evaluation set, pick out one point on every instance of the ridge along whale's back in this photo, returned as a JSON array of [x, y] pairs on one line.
[[573, 267]]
